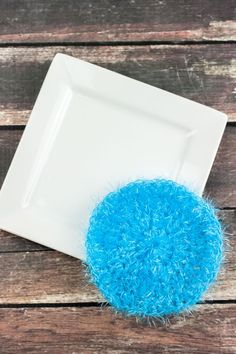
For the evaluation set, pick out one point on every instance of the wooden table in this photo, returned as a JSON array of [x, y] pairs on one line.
[[186, 47]]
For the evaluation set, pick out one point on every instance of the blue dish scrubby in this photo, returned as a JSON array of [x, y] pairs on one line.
[[153, 247]]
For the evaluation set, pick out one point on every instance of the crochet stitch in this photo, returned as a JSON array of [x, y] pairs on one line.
[[153, 247]]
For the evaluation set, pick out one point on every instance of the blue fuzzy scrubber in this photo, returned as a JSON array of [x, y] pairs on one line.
[[153, 248]]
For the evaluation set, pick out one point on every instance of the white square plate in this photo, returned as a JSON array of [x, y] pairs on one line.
[[91, 130]]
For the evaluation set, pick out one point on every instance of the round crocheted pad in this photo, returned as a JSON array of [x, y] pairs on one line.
[[153, 247]]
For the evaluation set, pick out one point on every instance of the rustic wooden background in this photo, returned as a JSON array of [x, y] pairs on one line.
[[186, 47]]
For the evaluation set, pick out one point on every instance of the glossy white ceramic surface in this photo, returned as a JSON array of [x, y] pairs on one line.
[[90, 131]]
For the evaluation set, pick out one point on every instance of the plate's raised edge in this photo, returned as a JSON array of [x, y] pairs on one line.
[[200, 154], [33, 133], [105, 73]]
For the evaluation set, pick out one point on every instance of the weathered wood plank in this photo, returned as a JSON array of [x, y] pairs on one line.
[[111, 20], [204, 73], [211, 329], [51, 277], [9, 140], [225, 287], [221, 186], [13, 243], [44, 277]]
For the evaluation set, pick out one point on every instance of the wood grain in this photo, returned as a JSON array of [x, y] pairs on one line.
[[221, 186], [211, 329], [46, 276], [13, 243], [204, 73], [110, 20]]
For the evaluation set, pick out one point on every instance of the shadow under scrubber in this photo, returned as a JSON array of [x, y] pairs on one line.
[[153, 247]]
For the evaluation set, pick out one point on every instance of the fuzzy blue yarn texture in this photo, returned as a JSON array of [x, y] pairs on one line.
[[153, 247]]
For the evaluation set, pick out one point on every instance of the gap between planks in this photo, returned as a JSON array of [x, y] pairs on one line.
[[95, 304], [115, 43]]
